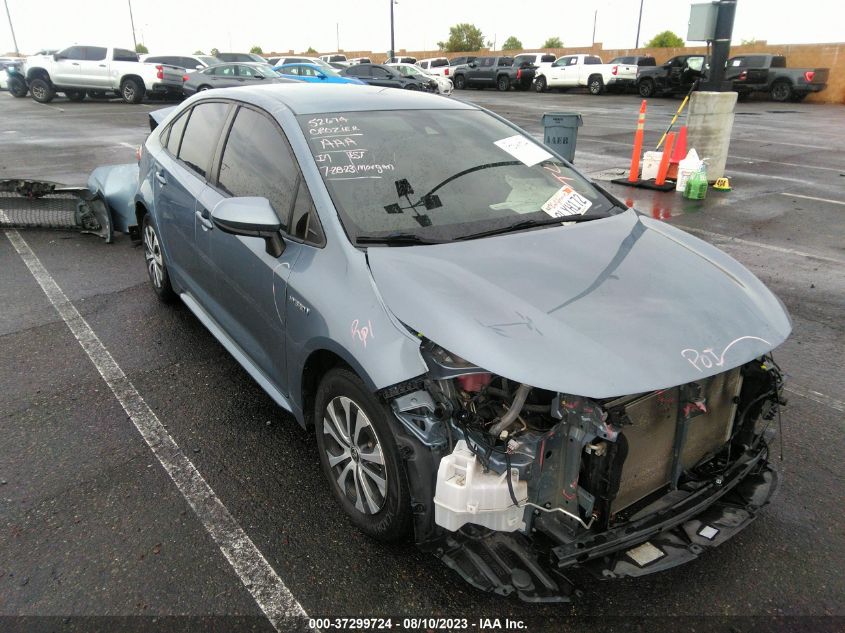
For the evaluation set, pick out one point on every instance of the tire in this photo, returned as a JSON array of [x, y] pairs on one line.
[[781, 91], [798, 97], [411, 87], [503, 83], [97, 94], [42, 90], [131, 91], [373, 495], [75, 95], [17, 87], [154, 259], [203, 88], [646, 88], [540, 84], [460, 82], [595, 85]]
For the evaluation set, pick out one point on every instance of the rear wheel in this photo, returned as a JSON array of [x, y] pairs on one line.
[[75, 95], [412, 87], [781, 91], [17, 87], [154, 258], [360, 458], [646, 88], [596, 85], [460, 82], [540, 84], [131, 91], [42, 90], [203, 88], [503, 83]]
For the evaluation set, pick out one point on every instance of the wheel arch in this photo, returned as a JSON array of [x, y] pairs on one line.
[[318, 363], [134, 77], [38, 73]]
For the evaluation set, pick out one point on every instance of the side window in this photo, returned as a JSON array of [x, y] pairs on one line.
[[246, 71], [257, 161], [486, 62], [304, 223], [547, 59], [561, 61], [695, 63], [120, 55], [98, 54], [380, 72], [175, 134], [201, 134], [74, 52], [573, 61], [506, 61]]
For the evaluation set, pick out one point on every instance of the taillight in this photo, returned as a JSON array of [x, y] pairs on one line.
[[159, 72], [446, 72], [184, 78], [808, 76], [519, 73], [138, 153], [614, 70]]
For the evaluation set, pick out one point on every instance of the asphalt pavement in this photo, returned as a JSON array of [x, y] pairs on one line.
[[93, 526]]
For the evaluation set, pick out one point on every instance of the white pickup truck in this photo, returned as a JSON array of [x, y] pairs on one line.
[[571, 71], [96, 70]]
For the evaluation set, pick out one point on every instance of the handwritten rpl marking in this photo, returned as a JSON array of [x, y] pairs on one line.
[[364, 333], [707, 358]]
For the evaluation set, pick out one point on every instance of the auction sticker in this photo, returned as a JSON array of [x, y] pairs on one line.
[[523, 150], [566, 201]]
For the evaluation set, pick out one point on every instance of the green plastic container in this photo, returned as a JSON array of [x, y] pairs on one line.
[[696, 188]]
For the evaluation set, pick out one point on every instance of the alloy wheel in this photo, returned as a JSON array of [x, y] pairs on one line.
[[355, 455], [152, 253]]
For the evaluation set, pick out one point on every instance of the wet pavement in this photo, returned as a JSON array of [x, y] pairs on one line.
[[92, 525]]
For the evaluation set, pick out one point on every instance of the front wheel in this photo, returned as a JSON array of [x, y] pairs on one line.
[[503, 83], [460, 82], [360, 458], [42, 90], [154, 257], [540, 84], [131, 91]]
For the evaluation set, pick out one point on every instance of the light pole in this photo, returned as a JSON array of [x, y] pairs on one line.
[[595, 18], [132, 22], [392, 42], [11, 28], [639, 22]]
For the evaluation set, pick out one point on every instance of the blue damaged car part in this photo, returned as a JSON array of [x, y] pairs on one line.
[[495, 355]]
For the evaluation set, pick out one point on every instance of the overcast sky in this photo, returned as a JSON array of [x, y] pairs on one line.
[[174, 26]]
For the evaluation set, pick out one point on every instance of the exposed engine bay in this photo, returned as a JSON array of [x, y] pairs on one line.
[[516, 484]]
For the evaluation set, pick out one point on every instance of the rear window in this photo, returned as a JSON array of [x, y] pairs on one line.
[[439, 63], [778, 62], [123, 55], [547, 59]]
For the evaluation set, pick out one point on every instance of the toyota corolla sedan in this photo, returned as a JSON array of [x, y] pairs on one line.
[[498, 358]]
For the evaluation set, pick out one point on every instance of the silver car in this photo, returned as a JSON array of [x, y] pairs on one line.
[[495, 355]]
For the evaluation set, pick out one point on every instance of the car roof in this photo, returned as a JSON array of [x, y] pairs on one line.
[[305, 98]]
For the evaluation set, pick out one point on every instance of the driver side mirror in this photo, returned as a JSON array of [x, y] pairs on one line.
[[321, 76], [57, 57], [250, 217]]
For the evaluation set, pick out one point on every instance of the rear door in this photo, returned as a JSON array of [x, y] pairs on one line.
[[94, 68], [247, 288], [179, 179]]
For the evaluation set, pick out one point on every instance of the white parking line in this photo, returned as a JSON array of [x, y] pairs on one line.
[[259, 578], [798, 195], [768, 247], [815, 396]]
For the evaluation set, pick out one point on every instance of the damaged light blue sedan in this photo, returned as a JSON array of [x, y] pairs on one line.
[[496, 356]]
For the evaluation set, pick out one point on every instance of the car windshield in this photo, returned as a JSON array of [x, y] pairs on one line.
[[266, 70], [206, 59], [409, 70], [440, 174]]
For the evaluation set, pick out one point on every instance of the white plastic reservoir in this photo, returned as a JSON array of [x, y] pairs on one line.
[[466, 494]]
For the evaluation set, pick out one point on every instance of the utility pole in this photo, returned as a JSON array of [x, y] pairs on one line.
[[132, 21], [392, 42], [639, 23], [11, 28], [595, 18], [337, 35]]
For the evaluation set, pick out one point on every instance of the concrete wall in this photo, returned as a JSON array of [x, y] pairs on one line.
[[830, 56]]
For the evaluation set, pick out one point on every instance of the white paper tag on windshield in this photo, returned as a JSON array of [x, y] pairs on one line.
[[523, 150], [566, 201]]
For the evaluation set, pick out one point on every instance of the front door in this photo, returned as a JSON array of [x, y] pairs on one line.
[[246, 288], [66, 66]]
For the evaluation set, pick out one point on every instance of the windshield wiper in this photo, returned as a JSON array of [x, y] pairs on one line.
[[395, 239], [530, 224]]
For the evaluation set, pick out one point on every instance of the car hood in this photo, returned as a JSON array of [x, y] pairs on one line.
[[604, 308]]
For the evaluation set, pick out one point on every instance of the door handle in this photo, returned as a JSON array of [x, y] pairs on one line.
[[102, 65], [161, 178], [204, 218], [74, 64]]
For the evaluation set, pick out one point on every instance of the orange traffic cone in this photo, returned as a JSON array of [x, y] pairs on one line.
[[634, 172], [678, 153]]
